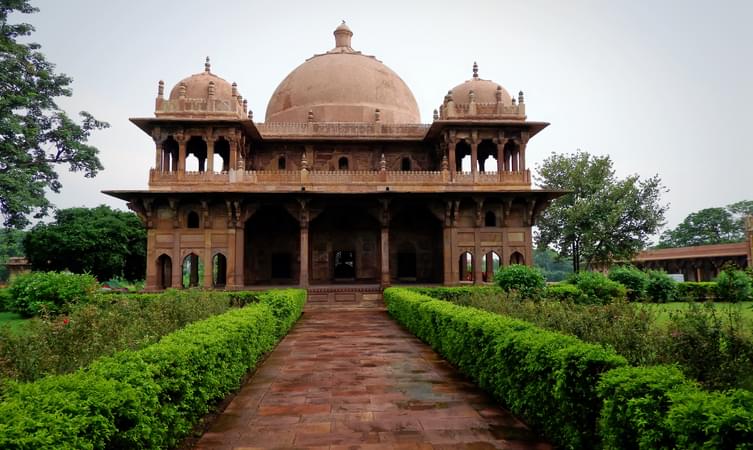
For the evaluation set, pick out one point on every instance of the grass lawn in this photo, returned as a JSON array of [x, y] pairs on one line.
[[12, 320], [663, 309]]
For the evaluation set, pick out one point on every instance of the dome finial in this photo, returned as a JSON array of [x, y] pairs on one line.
[[475, 70], [343, 35], [207, 66]]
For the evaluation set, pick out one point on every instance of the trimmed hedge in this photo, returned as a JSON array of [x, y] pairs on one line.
[[563, 292], [548, 378], [563, 388], [597, 288], [149, 398], [51, 293], [658, 407]]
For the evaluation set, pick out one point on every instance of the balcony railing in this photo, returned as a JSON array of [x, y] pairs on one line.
[[338, 180]]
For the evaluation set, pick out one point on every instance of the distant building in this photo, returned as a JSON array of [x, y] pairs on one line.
[[700, 263], [341, 185]]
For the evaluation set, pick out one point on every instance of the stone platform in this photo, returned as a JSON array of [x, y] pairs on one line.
[[353, 378]]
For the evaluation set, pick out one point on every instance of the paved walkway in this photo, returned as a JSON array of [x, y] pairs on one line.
[[356, 379]]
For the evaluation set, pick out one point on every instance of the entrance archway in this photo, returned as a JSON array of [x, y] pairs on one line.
[[517, 258], [490, 262], [164, 272], [219, 270], [344, 243], [465, 269], [415, 245], [193, 271]]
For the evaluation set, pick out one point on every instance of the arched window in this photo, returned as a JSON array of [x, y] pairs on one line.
[[169, 162], [219, 270], [196, 147], [490, 263], [517, 258], [281, 163], [490, 220], [221, 161], [405, 164], [164, 272], [462, 156], [192, 270], [342, 163], [192, 221], [466, 267]]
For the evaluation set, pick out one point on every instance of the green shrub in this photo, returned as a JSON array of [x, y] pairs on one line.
[[597, 289], [149, 398], [733, 286], [711, 346], [52, 293], [459, 293], [528, 282], [546, 377], [692, 291], [110, 323], [636, 401], [563, 292], [634, 280], [5, 299], [661, 288]]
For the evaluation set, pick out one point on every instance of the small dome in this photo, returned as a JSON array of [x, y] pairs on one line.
[[197, 86], [343, 85], [485, 91]]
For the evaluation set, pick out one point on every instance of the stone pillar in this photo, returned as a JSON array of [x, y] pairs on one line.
[[150, 282], [385, 254], [449, 261], [233, 153], [230, 270], [208, 260], [210, 155], [182, 154], [303, 278], [515, 157], [474, 160], [239, 255], [385, 242], [303, 250], [453, 162], [159, 157], [500, 156]]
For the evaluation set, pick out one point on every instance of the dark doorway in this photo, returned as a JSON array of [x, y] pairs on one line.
[[282, 265], [406, 266], [219, 270], [164, 272], [345, 265]]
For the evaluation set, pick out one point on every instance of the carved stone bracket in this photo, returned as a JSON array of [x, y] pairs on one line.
[[479, 211], [174, 204]]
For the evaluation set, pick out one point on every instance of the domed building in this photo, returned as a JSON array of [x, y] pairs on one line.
[[342, 189]]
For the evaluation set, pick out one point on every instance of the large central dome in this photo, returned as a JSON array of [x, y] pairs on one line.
[[343, 85]]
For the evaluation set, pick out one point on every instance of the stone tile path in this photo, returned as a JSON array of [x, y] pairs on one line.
[[357, 380]]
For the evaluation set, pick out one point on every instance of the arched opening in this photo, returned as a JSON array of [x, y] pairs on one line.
[[219, 270], [272, 247], [406, 262], [192, 220], [466, 267], [196, 148], [517, 258], [342, 163], [281, 163], [193, 271], [169, 155], [490, 262], [487, 156], [490, 219], [512, 154], [164, 272], [405, 164], [415, 238], [463, 157], [221, 161]]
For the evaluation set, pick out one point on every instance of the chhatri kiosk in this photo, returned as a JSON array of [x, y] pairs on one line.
[[342, 185]]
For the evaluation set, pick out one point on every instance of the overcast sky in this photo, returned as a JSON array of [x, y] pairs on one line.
[[661, 86]]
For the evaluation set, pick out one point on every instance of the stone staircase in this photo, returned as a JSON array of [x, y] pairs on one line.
[[366, 296]]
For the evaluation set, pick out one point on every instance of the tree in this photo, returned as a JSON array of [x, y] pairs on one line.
[[709, 226], [101, 241], [603, 218], [35, 135]]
